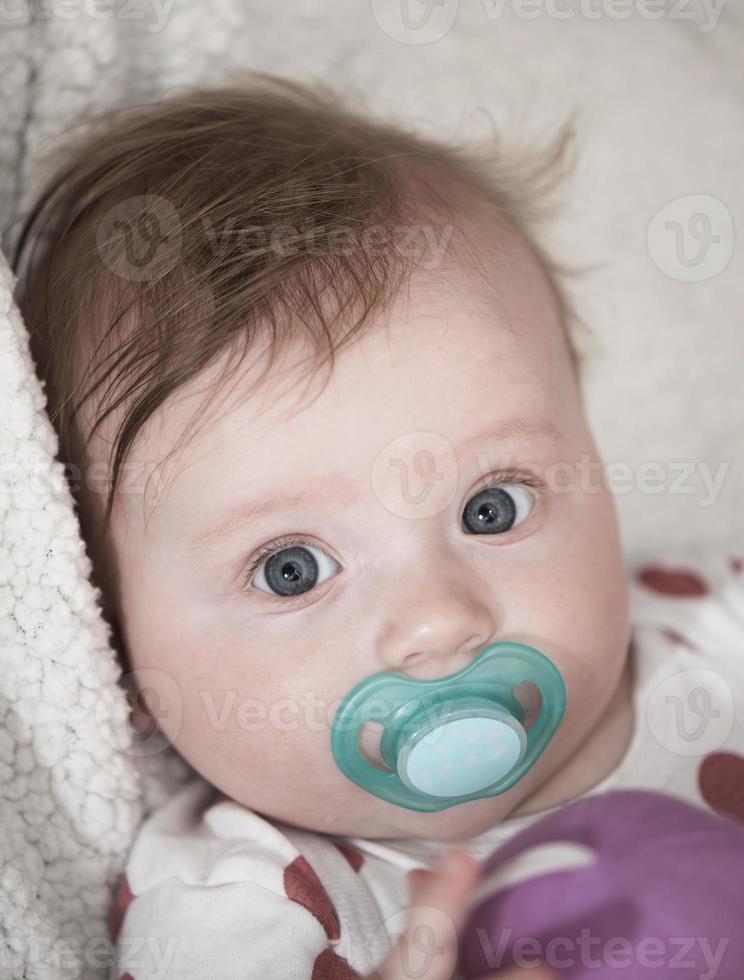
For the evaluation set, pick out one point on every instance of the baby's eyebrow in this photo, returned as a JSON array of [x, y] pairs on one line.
[[510, 429], [244, 514]]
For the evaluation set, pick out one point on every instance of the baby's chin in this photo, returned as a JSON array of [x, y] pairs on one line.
[[375, 818]]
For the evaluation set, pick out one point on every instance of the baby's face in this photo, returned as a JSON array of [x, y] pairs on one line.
[[461, 380]]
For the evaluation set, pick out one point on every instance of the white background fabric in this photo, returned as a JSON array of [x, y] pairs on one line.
[[661, 118]]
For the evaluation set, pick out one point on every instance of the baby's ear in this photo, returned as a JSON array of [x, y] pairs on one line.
[[139, 702], [141, 718]]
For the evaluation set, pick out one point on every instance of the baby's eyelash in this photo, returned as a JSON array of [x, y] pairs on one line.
[[497, 479], [511, 477]]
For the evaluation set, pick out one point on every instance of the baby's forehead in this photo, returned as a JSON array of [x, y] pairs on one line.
[[444, 362]]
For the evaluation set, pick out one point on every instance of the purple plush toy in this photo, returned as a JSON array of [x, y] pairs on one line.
[[660, 893]]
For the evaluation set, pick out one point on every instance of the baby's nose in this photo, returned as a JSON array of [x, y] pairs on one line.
[[435, 624], [433, 660]]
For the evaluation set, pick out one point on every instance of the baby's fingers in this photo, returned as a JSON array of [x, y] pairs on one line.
[[427, 950]]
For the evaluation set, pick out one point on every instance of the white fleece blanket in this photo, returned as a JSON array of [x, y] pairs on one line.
[[659, 87]]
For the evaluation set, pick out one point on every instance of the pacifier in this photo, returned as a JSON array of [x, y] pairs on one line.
[[454, 739]]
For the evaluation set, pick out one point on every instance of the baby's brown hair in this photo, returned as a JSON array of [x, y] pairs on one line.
[[133, 266]]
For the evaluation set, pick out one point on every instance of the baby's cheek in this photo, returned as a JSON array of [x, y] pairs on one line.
[[272, 768], [263, 738], [594, 585], [585, 609]]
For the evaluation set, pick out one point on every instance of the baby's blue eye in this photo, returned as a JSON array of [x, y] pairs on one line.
[[294, 570], [289, 568], [494, 510]]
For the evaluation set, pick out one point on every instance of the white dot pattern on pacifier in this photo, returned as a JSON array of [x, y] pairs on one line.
[[463, 756]]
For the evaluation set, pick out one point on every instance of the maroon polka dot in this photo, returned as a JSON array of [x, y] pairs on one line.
[[736, 564], [116, 916], [676, 637], [672, 581], [303, 886], [330, 966], [721, 782], [352, 855], [126, 976]]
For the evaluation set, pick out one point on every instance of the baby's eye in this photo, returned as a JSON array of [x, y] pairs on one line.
[[496, 509], [291, 571]]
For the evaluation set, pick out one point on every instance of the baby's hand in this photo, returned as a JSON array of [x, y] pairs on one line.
[[427, 950]]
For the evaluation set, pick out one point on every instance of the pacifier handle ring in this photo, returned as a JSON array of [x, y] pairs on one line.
[[551, 712]]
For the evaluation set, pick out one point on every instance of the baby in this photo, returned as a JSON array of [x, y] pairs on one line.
[[398, 473]]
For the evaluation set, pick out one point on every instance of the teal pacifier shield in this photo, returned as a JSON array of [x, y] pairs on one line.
[[453, 739], [462, 757]]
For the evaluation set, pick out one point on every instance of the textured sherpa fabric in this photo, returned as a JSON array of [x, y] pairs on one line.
[[661, 118], [72, 791]]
